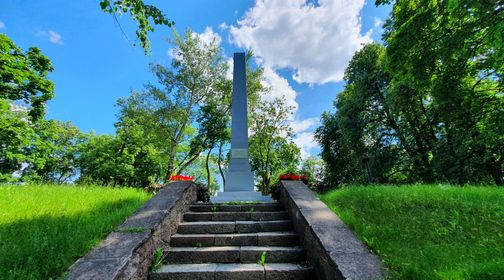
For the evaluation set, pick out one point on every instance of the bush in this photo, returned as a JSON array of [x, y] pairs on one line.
[[202, 193]]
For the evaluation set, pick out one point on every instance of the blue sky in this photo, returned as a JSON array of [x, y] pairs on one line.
[[304, 48]]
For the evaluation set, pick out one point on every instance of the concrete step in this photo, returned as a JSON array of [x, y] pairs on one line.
[[234, 227], [219, 207], [211, 271], [240, 239], [235, 216], [232, 254]]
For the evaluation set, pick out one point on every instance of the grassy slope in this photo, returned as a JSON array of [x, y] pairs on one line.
[[44, 229], [428, 232]]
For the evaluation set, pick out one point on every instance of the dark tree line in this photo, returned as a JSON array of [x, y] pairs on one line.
[[426, 107]]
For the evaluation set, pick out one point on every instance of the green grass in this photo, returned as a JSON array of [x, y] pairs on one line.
[[428, 232], [44, 229]]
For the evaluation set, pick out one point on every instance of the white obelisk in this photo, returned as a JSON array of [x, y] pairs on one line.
[[239, 179]]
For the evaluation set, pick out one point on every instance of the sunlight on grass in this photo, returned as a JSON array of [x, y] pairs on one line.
[[428, 232], [44, 228]]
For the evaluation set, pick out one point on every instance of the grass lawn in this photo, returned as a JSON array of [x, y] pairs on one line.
[[428, 232], [44, 229]]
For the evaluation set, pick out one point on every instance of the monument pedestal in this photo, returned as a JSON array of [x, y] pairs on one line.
[[250, 196]]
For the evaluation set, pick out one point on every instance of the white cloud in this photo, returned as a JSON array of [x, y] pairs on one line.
[[223, 26], [208, 36], [303, 125], [306, 142], [51, 35], [55, 37], [304, 139], [377, 22], [315, 41], [279, 88], [2, 25]]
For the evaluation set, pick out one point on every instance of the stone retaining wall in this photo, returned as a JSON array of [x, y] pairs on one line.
[[128, 251], [332, 248]]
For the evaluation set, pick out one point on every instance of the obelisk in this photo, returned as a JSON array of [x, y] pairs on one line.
[[239, 178]]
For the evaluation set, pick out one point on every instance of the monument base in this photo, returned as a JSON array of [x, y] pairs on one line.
[[240, 196]]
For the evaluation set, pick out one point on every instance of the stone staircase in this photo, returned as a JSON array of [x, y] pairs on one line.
[[223, 241]]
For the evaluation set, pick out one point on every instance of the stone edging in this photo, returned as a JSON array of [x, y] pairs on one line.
[[332, 248], [128, 251]]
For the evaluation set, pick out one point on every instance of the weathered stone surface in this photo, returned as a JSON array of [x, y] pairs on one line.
[[263, 226], [331, 246], [277, 239], [227, 254], [214, 208], [191, 240], [262, 207], [287, 271], [206, 227], [197, 216], [269, 216], [246, 239], [185, 272], [274, 254], [96, 269], [230, 216], [239, 271], [357, 265], [118, 245]]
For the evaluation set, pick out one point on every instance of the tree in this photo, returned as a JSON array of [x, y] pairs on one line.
[[271, 149], [23, 77], [427, 106], [341, 166], [139, 12], [168, 112], [52, 154], [313, 168], [446, 59], [15, 135]]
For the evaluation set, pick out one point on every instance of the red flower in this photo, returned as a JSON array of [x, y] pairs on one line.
[[180, 177]]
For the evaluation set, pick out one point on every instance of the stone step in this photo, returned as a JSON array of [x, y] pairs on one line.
[[234, 227], [240, 239], [211, 271], [219, 207], [235, 216], [232, 254]]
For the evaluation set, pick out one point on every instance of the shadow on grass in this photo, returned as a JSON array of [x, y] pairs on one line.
[[45, 246]]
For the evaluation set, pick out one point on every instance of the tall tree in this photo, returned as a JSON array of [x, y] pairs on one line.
[[447, 59], [271, 149], [171, 107], [23, 77]]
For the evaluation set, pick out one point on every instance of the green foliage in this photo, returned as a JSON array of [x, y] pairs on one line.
[[262, 259], [45, 228], [427, 231], [202, 193], [140, 12], [23, 77], [271, 149], [166, 112], [428, 106], [313, 168], [158, 259], [124, 160]]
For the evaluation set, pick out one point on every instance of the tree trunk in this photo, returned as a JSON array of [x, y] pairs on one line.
[[219, 162], [171, 163], [207, 166]]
